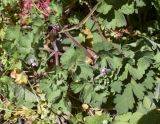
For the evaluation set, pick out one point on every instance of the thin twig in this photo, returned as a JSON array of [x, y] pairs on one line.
[[101, 34], [89, 53], [34, 91], [83, 21], [73, 40], [39, 9], [7, 110]]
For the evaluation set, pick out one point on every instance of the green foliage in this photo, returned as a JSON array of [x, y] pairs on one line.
[[97, 119], [55, 90], [86, 61], [72, 57], [122, 102]]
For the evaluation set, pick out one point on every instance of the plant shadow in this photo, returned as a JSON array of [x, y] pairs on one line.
[[152, 117]]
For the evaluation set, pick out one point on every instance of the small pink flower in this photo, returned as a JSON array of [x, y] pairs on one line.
[[118, 34]]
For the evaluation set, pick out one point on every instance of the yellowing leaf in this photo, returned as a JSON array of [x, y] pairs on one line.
[[24, 111], [88, 60], [89, 37], [14, 72], [42, 108], [7, 104], [98, 112], [85, 107], [19, 76], [88, 33], [7, 115], [2, 34]]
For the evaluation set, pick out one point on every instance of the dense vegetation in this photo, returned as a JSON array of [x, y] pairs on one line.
[[80, 61]]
